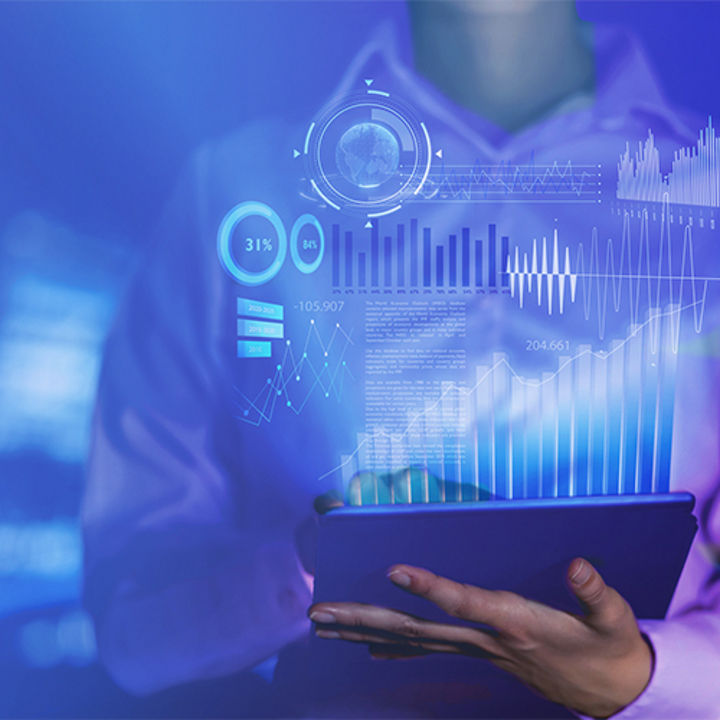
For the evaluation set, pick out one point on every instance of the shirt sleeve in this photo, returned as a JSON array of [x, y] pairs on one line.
[[686, 646], [684, 682], [687, 667], [191, 562]]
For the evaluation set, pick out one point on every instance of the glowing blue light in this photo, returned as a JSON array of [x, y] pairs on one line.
[[224, 242], [367, 154], [300, 223]]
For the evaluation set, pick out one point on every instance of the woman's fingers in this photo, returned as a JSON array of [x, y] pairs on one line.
[[467, 602], [369, 623], [392, 646], [327, 501], [604, 608]]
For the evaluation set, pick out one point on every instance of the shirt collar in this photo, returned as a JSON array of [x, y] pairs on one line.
[[625, 85]]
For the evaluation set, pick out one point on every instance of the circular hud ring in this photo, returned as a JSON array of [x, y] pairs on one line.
[[367, 154]]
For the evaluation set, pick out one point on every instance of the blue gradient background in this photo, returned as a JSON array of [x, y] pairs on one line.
[[101, 105]]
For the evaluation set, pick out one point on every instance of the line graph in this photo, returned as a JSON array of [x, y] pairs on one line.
[[639, 281], [318, 366], [694, 178], [600, 424], [508, 182]]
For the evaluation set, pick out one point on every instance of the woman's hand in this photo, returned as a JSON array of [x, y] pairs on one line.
[[595, 663]]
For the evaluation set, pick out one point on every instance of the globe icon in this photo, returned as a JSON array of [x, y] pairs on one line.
[[367, 155]]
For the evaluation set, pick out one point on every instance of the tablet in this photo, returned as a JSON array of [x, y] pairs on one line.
[[639, 543]]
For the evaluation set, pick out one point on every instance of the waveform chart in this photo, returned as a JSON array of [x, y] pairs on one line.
[[560, 181], [647, 267]]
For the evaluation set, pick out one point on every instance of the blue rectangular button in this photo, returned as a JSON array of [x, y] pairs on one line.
[[257, 328], [253, 308], [253, 349]]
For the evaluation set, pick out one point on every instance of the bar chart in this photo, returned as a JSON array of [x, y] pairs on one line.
[[601, 424], [413, 259], [693, 180]]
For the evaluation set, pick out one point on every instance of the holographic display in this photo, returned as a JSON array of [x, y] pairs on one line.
[[492, 330]]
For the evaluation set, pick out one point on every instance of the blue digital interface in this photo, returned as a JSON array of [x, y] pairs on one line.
[[510, 324], [332, 270]]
